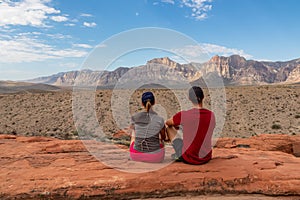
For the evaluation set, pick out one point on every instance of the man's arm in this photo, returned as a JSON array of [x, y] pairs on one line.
[[171, 130], [170, 122]]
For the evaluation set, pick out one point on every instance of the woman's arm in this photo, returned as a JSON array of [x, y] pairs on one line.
[[163, 134], [132, 133]]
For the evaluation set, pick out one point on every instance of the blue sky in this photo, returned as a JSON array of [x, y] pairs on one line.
[[43, 37]]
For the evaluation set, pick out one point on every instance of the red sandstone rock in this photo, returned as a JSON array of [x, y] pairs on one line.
[[283, 143], [122, 135], [296, 149], [50, 168]]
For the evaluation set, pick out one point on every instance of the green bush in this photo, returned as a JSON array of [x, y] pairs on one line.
[[276, 126]]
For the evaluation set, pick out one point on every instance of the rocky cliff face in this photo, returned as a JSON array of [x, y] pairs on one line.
[[164, 61], [235, 70], [294, 76], [241, 71]]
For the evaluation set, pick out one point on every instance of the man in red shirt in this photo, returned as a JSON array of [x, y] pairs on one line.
[[197, 125]]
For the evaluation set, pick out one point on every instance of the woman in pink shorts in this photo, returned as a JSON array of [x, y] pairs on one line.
[[148, 133]]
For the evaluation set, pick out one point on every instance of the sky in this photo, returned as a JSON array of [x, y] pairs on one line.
[[44, 37]]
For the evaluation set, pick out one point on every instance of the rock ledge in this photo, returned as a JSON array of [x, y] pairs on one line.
[[36, 167]]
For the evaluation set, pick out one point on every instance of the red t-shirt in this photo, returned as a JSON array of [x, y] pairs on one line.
[[198, 126]]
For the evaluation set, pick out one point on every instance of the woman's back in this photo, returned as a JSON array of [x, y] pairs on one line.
[[147, 128]]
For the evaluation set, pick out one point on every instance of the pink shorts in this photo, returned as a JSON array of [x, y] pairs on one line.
[[156, 157]]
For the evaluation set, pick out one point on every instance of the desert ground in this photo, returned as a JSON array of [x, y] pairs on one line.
[[250, 110], [241, 168]]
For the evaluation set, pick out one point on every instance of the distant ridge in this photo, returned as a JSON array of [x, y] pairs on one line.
[[7, 87], [234, 70]]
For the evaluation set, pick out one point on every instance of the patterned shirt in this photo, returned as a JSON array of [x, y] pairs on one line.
[[147, 128]]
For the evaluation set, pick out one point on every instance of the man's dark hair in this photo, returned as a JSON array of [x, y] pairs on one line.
[[196, 95]]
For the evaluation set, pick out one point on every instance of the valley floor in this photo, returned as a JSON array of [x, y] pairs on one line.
[[247, 111]]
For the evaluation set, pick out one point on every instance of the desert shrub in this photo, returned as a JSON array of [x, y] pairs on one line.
[[75, 133], [297, 116], [276, 126]]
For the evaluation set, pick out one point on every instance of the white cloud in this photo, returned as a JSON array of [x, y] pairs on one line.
[[74, 20], [224, 51], [59, 36], [4, 37], [70, 65], [101, 46], [27, 12], [23, 48], [168, 1], [85, 46], [204, 51], [178, 59], [70, 24], [59, 18], [198, 8], [85, 15], [89, 24], [7, 29]]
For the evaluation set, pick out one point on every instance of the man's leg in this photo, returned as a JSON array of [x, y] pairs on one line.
[[177, 142]]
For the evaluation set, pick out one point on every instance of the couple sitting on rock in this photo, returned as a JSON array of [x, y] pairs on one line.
[[150, 131]]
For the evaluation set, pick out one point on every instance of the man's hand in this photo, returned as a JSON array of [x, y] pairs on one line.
[[170, 122]]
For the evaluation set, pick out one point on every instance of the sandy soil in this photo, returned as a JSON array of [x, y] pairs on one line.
[[249, 111]]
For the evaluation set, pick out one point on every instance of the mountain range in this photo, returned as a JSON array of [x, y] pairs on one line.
[[233, 70]]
